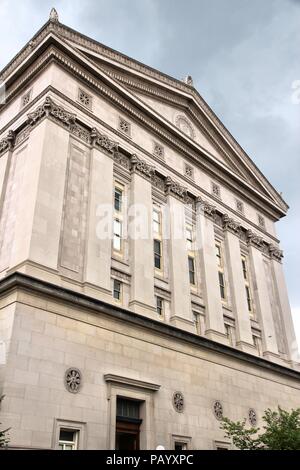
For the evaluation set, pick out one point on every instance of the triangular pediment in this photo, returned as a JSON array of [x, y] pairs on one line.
[[176, 106], [182, 113]]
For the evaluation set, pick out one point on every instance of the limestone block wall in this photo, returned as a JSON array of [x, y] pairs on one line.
[[49, 336]]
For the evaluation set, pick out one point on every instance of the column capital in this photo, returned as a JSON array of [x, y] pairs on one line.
[[254, 240], [232, 225], [101, 140], [8, 142], [176, 189], [49, 108], [140, 166], [275, 253], [208, 209]]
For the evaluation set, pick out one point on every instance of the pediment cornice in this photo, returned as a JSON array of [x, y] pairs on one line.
[[74, 61], [88, 45]]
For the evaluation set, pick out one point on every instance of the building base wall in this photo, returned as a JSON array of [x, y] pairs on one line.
[[120, 353]]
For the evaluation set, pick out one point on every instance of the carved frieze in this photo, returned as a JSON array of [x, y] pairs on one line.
[[254, 239], [101, 140], [172, 187], [231, 225], [8, 142], [208, 209], [21, 136], [81, 133], [121, 275], [122, 160], [49, 108], [158, 182], [275, 253], [142, 167]]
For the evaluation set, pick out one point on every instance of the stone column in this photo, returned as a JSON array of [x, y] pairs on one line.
[[181, 315], [6, 184], [263, 303], [6, 146], [48, 212], [237, 285], [284, 305], [141, 239], [100, 220], [40, 181], [205, 239]]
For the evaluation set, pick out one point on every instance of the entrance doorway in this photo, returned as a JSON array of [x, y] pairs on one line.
[[128, 424]]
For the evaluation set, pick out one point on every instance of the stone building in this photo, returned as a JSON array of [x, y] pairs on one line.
[[142, 291]]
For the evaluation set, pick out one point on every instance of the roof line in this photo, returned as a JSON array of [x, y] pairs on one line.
[[231, 141]]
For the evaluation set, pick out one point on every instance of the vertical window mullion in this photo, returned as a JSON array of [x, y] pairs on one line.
[[221, 276], [191, 264]]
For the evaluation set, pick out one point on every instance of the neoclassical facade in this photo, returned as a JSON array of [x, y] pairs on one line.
[[142, 290]]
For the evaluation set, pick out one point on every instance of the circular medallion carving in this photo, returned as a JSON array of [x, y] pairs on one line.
[[73, 380], [252, 417], [178, 402], [218, 410], [185, 126]]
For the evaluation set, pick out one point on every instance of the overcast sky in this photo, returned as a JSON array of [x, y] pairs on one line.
[[243, 56]]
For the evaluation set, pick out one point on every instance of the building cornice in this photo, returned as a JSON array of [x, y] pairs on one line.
[[20, 282], [49, 109], [53, 54], [56, 30]]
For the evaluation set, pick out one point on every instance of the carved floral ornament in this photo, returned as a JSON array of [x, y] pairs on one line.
[[141, 166], [134, 163], [185, 126], [178, 402], [73, 380], [218, 410], [8, 142], [252, 416]]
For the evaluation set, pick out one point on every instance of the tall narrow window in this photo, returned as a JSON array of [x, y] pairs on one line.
[[68, 439], [159, 306], [119, 191], [157, 232], [118, 199], [221, 275], [156, 222], [191, 254], [247, 284], [191, 262], [117, 290], [189, 238], [157, 254], [117, 241]]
